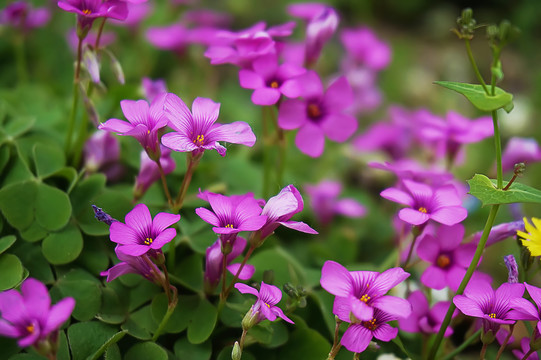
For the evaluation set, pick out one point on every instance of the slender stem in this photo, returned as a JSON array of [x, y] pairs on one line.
[[483, 351], [192, 160], [235, 278], [336, 342], [474, 65], [167, 284], [73, 113], [100, 31], [164, 183], [498, 148], [20, 58], [527, 355], [495, 59], [224, 268], [464, 345], [410, 252], [242, 337], [282, 147], [510, 182], [170, 309], [267, 164], [356, 356], [466, 279], [504, 344]]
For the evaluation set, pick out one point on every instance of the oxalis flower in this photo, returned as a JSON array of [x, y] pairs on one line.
[[267, 297], [28, 315], [525, 310], [89, 10], [197, 131], [141, 234], [134, 265], [441, 204], [532, 237], [362, 292], [424, 319]]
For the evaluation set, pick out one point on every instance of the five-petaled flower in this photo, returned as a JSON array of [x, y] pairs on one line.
[[141, 234], [267, 297], [89, 10], [29, 316]]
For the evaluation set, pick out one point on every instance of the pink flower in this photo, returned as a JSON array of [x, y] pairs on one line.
[[320, 113], [267, 298], [424, 319], [22, 15], [89, 10], [134, 265], [517, 150], [149, 172], [441, 204], [102, 152], [364, 46]]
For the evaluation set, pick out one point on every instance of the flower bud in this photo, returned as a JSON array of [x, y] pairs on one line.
[[102, 215], [237, 352], [512, 268], [250, 319], [519, 169], [487, 337]]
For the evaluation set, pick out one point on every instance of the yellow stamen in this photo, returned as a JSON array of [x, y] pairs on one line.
[[229, 226], [365, 298], [423, 210], [87, 11], [274, 84], [443, 261], [148, 241], [492, 315], [199, 139], [267, 305], [370, 325], [30, 328], [314, 111]]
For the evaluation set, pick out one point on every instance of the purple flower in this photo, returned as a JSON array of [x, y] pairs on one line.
[[149, 172], [232, 214], [102, 152], [423, 319], [512, 269], [517, 150], [524, 348], [214, 259], [359, 334], [447, 257], [363, 45], [325, 204], [525, 310], [322, 23], [197, 131], [269, 80], [280, 208], [500, 232], [89, 10], [29, 316], [107, 38], [493, 307], [153, 88], [267, 297], [143, 123], [141, 234], [141, 265], [22, 15], [441, 204], [137, 11], [319, 114], [363, 292], [412, 170]]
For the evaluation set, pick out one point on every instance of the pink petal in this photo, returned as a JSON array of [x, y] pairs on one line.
[[277, 311], [59, 313], [245, 274], [116, 125], [449, 215], [468, 306], [266, 66], [140, 220], [8, 330], [428, 248], [342, 308], [253, 223], [245, 289], [180, 117], [250, 80], [339, 127], [205, 113], [137, 112], [134, 250], [336, 279], [388, 279], [350, 208], [299, 226], [535, 293], [121, 233], [178, 142], [163, 220], [450, 237], [36, 295], [361, 310], [385, 332], [356, 338], [392, 305], [208, 216], [413, 217], [292, 114], [237, 132], [310, 140], [434, 277], [265, 96], [163, 238], [270, 294], [339, 95], [398, 196]]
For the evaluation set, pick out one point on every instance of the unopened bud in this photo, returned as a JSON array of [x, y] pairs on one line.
[[487, 337], [373, 346], [236, 353], [492, 32], [102, 215], [250, 319], [226, 247], [519, 169], [467, 15], [512, 269], [290, 290], [92, 64]]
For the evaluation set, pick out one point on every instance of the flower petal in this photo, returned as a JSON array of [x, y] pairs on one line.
[[336, 279], [36, 297], [310, 140], [449, 215], [356, 338], [178, 142], [245, 289], [121, 233], [292, 114], [413, 217], [392, 305], [398, 196], [434, 277], [237, 132], [134, 250], [245, 274], [265, 96], [204, 114], [385, 332], [163, 220], [137, 112], [116, 125], [248, 79], [339, 127], [163, 238], [180, 117], [59, 313], [270, 294]]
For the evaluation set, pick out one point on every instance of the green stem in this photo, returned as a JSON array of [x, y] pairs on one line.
[[164, 183], [267, 164], [465, 280], [170, 309], [235, 278], [498, 148], [410, 252], [336, 343], [464, 345], [483, 351], [20, 58], [495, 59], [193, 161], [73, 113], [100, 31], [474, 65]]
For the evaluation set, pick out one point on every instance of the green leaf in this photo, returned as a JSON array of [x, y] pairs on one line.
[[87, 295], [478, 97], [87, 338], [485, 190], [285, 266], [112, 340], [113, 353], [17, 203], [202, 322], [146, 351], [186, 350], [63, 347], [27, 357], [53, 207], [33, 260], [11, 270], [182, 314], [6, 242], [9, 346], [225, 354], [48, 159], [85, 191], [33, 233], [113, 310], [4, 157], [305, 343], [114, 203], [190, 272], [64, 246], [19, 125]]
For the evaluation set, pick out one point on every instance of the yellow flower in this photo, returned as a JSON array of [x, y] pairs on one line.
[[532, 239]]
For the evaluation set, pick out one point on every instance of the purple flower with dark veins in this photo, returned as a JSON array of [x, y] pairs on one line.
[[89, 10], [197, 131], [267, 298]]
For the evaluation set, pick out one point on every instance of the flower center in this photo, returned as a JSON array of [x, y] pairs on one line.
[[492, 315], [200, 139], [267, 305], [314, 111], [365, 298], [423, 210], [30, 328], [148, 241], [370, 325], [274, 84], [230, 226], [87, 11], [443, 261]]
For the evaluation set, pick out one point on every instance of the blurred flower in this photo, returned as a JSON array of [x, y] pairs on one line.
[[524, 348], [525, 310], [500, 232], [512, 268], [28, 315], [89, 10], [320, 113], [441, 204], [280, 208], [363, 292], [531, 239], [206, 18], [102, 152], [134, 265], [137, 12], [325, 204], [21, 15], [143, 123], [493, 307], [267, 297], [423, 319], [364, 47], [214, 260], [149, 172], [106, 38], [197, 131], [270, 80], [520, 150], [412, 170], [322, 23], [153, 88], [447, 257], [141, 234]]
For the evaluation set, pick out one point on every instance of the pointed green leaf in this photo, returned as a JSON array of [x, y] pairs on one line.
[[112, 340], [53, 207], [202, 322], [64, 246], [11, 270], [87, 295], [48, 159], [485, 190], [479, 98]]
